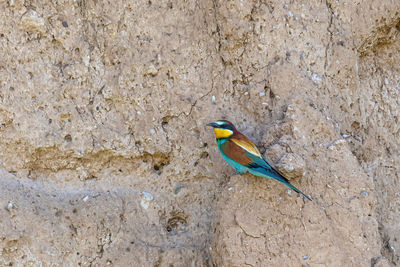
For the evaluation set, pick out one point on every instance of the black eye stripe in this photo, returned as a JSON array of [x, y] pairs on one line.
[[226, 126]]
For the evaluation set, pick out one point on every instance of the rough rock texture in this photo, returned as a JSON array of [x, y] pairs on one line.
[[105, 158]]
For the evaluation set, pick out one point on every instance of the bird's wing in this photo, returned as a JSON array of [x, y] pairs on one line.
[[262, 166], [242, 141], [236, 153], [254, 157], [242, 150]]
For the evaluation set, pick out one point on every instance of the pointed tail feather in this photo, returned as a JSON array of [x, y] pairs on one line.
[[297, 190], [274, 174]]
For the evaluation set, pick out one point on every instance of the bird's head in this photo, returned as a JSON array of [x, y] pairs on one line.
[[222, 128]]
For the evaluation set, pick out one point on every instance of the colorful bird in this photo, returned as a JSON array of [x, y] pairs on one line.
[[243, 155]]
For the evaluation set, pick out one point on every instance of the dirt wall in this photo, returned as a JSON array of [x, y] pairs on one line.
[[105, 157]]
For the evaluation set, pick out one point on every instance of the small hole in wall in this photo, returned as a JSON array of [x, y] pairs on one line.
[[68, 138], [204, 155], [356, 125], [177, 223], [156, 167]]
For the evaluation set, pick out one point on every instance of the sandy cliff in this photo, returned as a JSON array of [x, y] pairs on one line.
[[105, 157]]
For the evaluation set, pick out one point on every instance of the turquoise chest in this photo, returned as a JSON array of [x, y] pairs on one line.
[[238, 167]]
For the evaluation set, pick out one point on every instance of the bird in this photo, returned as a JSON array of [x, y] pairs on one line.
[[243, 155]]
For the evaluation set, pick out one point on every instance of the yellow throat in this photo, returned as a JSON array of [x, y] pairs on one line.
[[222, 133]]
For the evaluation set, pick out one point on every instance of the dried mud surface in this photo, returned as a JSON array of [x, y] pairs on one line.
[[104, 154]]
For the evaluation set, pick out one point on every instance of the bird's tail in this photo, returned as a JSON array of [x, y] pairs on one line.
[[274, 174], [297, 190]]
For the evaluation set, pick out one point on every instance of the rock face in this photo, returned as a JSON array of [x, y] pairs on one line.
[[105, 157]]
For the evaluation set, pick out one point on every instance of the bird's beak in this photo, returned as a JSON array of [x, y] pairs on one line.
[[212, 124]]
